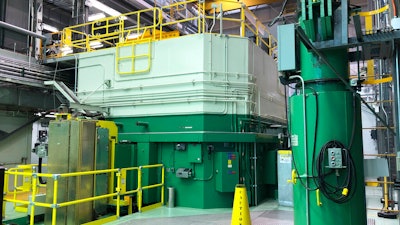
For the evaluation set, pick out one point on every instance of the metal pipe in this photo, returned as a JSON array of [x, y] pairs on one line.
[[76, 74], [21, 30], [385, 193], [213, 21]]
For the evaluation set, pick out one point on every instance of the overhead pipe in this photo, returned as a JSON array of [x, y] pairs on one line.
[[21, 30]]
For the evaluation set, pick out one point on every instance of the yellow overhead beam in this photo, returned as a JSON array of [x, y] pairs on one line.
[[228, 5]]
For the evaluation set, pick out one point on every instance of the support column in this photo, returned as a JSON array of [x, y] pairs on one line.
[[2, 169], [396, 86], [3, 5]]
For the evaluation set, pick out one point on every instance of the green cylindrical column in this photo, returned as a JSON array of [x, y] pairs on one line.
[[332, 113]]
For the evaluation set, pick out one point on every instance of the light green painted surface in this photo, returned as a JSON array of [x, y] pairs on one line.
[[192, 74]]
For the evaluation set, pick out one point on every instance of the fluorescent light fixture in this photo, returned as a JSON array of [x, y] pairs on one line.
[[49, 28], [133, 36], [95, 44], [65, 50], [102, 7], [96, 16]]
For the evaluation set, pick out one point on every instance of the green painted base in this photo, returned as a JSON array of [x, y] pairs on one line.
[[211, 148], [339, 119]]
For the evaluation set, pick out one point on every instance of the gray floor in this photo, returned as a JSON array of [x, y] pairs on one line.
[[268, 213]]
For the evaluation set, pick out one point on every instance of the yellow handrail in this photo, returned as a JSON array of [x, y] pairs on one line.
[[111, 31], [369, 30], [119, 190], [141, 188]]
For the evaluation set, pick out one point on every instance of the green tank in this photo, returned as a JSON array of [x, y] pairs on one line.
[[326, 138]]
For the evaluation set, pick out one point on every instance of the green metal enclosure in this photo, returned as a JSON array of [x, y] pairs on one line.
[[209, 108]]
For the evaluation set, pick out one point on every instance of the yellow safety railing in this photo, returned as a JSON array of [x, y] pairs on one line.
[[181, 15], [21, 184], [185, 17], [119, 191], [369, 30], [150, 186]]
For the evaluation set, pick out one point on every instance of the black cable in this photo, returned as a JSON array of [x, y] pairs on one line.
[[315, 132], [354, 123], [334, 191], [40, 171]]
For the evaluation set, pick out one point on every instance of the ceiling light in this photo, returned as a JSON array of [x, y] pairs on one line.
[[100, 6], [96, 16], [133, 36], [65, 50], [49, 28], [95, 44]]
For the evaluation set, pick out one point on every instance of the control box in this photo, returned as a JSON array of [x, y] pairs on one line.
[[183, 173], [335, 158], [226, 171]]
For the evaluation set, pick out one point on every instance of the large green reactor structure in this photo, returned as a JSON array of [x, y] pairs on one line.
[[208, 107], [325, 118]]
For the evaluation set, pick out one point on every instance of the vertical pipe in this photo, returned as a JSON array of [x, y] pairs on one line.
[[385, 193], [396, 105], [28, 38], [2, 169], [76, 76]]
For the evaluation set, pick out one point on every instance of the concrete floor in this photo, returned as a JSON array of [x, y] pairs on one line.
[[267, 213]]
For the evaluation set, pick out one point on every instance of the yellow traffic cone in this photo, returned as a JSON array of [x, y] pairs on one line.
[[241, 212]]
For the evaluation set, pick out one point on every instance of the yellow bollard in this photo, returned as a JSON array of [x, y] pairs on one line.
[[241, 212]]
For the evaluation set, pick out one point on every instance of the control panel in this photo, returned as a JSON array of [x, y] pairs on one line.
[[227, 171], [335, 158]]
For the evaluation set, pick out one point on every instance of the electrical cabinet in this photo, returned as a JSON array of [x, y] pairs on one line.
[[194, 153], [226, 171]]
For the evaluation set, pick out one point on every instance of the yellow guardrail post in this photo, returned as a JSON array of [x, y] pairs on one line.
[[55, 195], [163, 186], [118, 191], [33, 198], [140, 191], [242, 22], [15, 189]]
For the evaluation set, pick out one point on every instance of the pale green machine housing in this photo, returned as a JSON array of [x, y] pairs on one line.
[[204, 108]]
